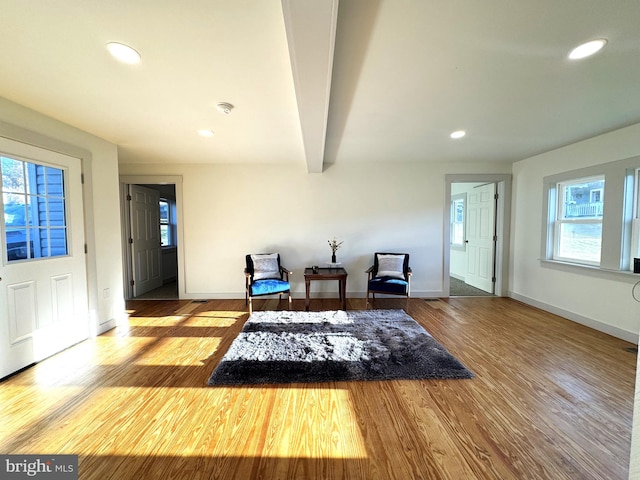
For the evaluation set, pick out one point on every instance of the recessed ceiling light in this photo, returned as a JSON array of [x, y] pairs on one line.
[[458, 134], [587, 49], [123, 53], [205, 133]]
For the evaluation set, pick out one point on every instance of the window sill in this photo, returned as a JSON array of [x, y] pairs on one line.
[[591, 270]]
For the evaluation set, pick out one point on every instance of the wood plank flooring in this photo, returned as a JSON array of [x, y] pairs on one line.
[[551, 400]]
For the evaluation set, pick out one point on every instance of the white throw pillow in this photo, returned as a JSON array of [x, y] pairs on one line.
[[265, 266], [391, 266]]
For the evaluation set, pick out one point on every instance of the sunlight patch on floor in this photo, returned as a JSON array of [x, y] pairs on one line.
[[180, 351], [145, 422]]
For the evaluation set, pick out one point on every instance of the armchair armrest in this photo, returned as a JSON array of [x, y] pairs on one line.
[[409, 271], [286, 272], [369, 271]]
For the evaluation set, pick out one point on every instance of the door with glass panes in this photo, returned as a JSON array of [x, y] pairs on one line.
[[43, 286]]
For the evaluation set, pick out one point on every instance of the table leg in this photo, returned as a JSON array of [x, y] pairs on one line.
[[343, 293], [306, 286]]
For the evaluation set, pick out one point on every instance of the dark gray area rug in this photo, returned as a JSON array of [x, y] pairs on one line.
[[291, 347]]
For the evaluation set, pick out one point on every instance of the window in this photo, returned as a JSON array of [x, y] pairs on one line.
[[588, 225], [578, 225], [458, 211], [166, 227], [33, 202], [634, 177]]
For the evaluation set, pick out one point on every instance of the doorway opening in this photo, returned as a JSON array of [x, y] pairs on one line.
[[475, 262], [151, 238], [473, 239]]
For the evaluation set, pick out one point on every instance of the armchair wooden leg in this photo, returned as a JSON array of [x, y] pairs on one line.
[[289, 300], [250, 305]]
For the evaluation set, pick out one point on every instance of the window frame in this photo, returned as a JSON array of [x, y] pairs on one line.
[[620, 198], [561, 219]]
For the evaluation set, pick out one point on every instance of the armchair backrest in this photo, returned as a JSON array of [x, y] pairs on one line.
[[391, 265], [263, 265]]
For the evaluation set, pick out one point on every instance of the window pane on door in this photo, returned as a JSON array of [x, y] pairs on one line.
[[33, 201], [12, 175]]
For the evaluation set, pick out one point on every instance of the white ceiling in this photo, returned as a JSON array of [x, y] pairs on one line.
[[316, 83]]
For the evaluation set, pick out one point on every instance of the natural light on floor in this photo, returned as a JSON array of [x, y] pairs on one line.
[[160, 432], [147, 381]]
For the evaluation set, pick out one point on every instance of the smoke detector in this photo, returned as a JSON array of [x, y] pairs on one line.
[[224, 108]]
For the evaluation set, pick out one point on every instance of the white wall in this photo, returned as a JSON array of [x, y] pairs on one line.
[[229, 211], [602, 302], [102, 216]]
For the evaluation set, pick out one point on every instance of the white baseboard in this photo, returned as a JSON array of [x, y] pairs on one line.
[[301, 295], [575, 317]]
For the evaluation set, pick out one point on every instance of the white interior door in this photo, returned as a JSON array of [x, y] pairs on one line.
[[480, 230], [43, 282], [145, 235]]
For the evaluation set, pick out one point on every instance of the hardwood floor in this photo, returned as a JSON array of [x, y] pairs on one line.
[[551, 400]]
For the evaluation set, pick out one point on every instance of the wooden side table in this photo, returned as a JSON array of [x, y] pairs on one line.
[[339, 274]]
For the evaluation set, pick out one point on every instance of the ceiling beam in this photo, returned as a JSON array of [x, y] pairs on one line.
[[311, 33]]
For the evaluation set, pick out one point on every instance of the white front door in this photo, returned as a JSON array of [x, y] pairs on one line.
[[145, 238], [43, 282], [481, 207]]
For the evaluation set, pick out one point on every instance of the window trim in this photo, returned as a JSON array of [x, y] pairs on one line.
[[619, 196]]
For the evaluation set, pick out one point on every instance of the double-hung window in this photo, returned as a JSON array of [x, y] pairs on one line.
[[634, 253], [578, 220], [458, 216], [166, 227], [588, 225]]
